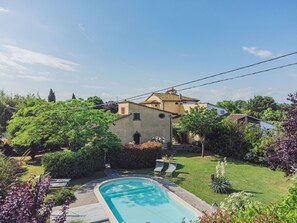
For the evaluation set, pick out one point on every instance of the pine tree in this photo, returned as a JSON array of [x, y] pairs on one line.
[[51, 96], [73, 96]]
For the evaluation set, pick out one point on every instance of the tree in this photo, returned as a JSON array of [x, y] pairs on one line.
[[259, 104], [51, 96], [230, 106], [110, 106], [73, 96], [283, 153], [40, 125], [200, 121], [97, 101], [9, 104], [274, 116]]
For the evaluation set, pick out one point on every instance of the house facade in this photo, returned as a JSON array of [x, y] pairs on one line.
[[140, 123], [177, 103]]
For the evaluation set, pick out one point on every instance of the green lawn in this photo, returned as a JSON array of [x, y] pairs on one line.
[[35, 168], [193, 174]]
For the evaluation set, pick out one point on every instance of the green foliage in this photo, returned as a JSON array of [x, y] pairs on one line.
[[230, 106], [8, 169], [219, 183], [259, 104], [40, 125], [9, 105], [133, 156], [78, 164], [95, 100], [240, 209], [244, 142], [51, 96], [287, 209], [63, 195], [237, 201], [200, 121]]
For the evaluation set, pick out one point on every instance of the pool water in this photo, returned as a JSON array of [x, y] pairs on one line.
[[141, 201]]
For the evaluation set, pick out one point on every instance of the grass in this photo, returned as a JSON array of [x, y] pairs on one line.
[[34, 167], [193, 174]]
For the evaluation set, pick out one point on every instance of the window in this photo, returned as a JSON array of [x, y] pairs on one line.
[[161, 115], [136, 116], [123, 110]]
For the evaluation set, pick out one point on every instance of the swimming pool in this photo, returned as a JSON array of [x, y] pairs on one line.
[[139, 200]]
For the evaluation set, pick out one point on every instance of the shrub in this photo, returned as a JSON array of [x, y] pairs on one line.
[[237, 201], [63, 195], [219, 183], [283, 211], [78, 164], [7, 172], [133, 156], [25, 203]]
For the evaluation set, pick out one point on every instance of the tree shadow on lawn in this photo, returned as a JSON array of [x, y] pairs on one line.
[[247, 191], [34, 162]]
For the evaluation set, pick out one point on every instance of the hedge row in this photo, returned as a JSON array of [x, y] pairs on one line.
[[132, 156], [78, 164]]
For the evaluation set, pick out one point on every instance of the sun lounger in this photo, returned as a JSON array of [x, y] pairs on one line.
[[59, 182], [159, 166], [171, 168], [54, 183]]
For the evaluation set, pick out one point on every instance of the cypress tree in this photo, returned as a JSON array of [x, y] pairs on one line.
[[51, 96], [73, 96]]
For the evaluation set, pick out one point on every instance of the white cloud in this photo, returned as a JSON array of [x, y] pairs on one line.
[[24, 56], [4, 10], [93, 86], [258, 53], [82, 30], [31, 77]]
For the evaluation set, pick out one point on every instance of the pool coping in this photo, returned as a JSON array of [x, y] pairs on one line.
[[176, 192]]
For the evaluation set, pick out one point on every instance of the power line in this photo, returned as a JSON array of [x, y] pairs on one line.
[[215, 75], [240, 76]]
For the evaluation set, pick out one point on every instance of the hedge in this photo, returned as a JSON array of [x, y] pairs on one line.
[[78, 164], [132, 156]]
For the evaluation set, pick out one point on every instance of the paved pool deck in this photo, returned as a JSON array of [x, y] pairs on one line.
[[88, 209]]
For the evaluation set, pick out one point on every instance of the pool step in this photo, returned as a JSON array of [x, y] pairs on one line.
[[130, 191]]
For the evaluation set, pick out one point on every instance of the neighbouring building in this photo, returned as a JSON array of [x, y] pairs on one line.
[[140, 123], [245, 119], [178, 104]]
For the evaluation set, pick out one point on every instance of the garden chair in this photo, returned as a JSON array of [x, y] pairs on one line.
[[171, 168], [54, 183], [159, 166]]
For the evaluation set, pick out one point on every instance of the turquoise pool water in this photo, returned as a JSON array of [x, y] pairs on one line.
[[140, 201]]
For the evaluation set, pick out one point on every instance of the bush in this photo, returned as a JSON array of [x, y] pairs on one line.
[[78, 164], [63, 195], [243, 142], [7, 172], [220, 185], [133, 156], [25, 203], [237, 201]]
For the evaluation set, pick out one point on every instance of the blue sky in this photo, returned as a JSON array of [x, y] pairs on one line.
[[118, 49]]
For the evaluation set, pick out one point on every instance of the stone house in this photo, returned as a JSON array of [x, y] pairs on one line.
[[140, 123]]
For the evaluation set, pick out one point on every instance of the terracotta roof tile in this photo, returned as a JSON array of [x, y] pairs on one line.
[[173, 97]]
